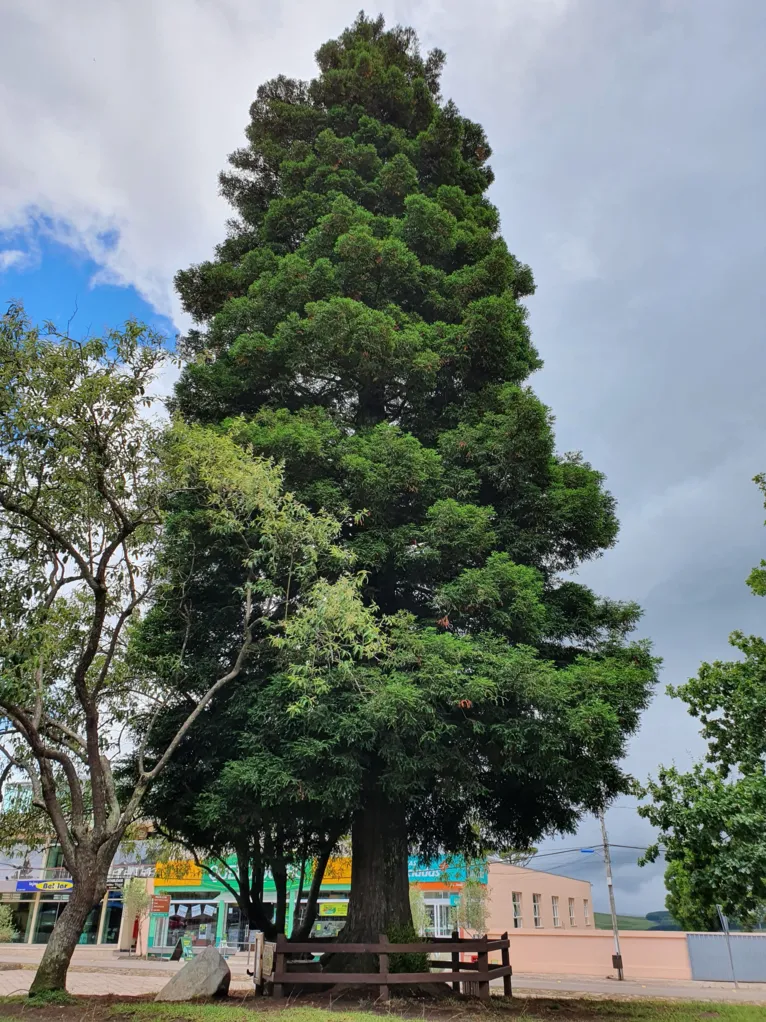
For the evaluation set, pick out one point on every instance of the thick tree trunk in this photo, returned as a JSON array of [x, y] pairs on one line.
[[52, 970], [259, 921], [380, 893]]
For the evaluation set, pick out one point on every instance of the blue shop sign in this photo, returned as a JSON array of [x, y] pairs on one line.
[[45, 886], [450, 870]]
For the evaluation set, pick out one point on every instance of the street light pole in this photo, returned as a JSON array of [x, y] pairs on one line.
[[617, 956]]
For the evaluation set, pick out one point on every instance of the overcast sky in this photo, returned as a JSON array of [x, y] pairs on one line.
[[629, 154]]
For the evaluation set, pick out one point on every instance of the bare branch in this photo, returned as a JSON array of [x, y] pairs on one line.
[[20, 764], [175, 839], [126, 612], [49, 529], [44, 755], [229, 676]]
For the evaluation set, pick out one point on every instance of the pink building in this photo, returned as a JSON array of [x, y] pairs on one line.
[[520, 898]]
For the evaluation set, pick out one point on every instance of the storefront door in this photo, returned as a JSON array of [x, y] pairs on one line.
[[439, 918], [110, 932]]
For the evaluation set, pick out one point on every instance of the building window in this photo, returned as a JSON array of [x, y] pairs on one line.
[[572, 915], [50, 911], [586, 911], [196, 920], [518, 920], [555, 906], [536, 911], [21, 906]]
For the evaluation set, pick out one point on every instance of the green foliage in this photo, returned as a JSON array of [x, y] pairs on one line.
[[418, 910], [8, 931], [711, 818], [50, 998], [405, 962], [135, 897], [363, 324], [100, 501], [471, 910]]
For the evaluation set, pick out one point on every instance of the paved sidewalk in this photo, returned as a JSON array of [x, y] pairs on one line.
[[593, 986], [103, 984], [95, 972]]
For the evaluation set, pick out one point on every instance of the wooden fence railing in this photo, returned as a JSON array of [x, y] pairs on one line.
[[477, 974]]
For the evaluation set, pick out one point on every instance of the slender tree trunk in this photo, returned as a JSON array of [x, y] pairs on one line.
[[299, 897], [280, 914], [52, 970], [302, 931]]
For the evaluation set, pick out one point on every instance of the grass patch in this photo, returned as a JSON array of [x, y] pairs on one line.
[[520, 1009], [529, 1010], [50, 997], [169, 1012]]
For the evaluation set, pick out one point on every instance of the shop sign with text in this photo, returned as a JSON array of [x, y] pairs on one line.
[[333, 908], [161, 904], [452, 870], [46, 886]]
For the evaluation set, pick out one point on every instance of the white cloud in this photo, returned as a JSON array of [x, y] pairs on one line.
[[10, 257], [116, 118], [627, 148]]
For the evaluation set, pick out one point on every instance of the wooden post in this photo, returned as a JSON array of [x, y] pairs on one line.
[[279, 963], [456, 962], [483, 973], [506, 959], [383, 969]]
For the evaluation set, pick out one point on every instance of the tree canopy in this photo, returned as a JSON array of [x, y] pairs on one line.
[[711, 818], [363, 323], [94, 492]]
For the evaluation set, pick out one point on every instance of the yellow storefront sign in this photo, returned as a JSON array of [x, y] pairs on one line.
[[333, 908], [178, 873], [338, 871]]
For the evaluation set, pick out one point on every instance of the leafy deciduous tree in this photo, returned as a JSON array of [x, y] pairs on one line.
[[711, 819], [86, 479]]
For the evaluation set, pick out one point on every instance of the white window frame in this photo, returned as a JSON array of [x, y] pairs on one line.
[[572, 912], [518, 914], [586, 910], [555, 908], [537, 911]]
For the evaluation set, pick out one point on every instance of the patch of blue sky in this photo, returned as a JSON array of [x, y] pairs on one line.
[[61, 284]]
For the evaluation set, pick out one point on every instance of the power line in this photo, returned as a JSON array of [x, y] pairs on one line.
[[565, 851]]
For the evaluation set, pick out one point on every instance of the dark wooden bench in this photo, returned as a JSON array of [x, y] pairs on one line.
[[478, 974]]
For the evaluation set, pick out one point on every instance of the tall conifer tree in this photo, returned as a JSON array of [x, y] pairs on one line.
[[364, 322]]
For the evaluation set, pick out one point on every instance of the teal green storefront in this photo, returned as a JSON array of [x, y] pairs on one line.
[[204, 909]]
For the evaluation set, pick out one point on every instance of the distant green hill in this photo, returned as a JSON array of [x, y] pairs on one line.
[[604, 922]]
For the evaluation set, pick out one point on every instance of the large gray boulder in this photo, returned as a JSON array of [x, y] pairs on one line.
[[205, 975]]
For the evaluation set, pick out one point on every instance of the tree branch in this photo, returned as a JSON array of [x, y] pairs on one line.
[[49, 529], [44, 756], [229, 676]]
